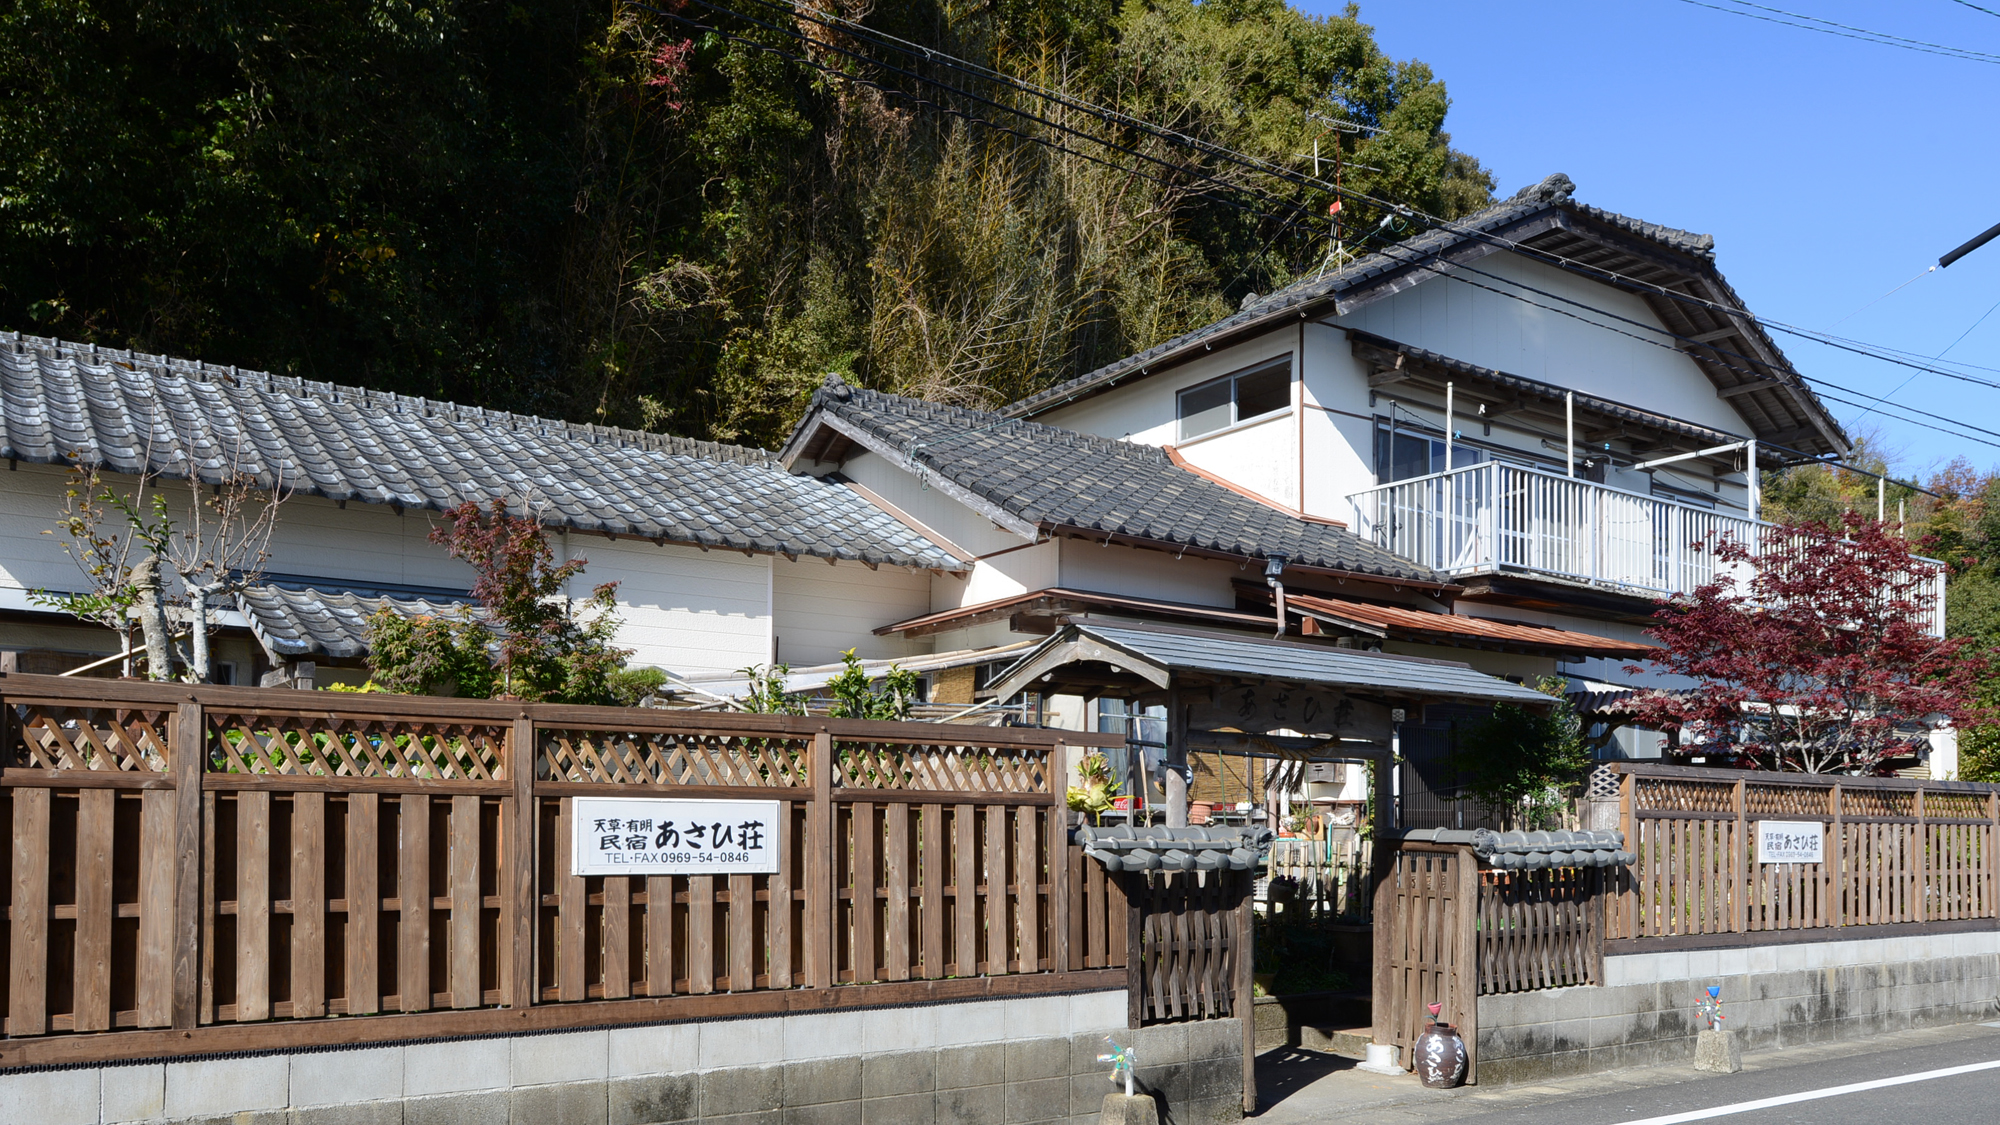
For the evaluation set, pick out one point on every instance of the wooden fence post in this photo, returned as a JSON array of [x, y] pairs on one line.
[[1739, 868], [1628, 815], [819, 941], [1921, 841], [1468, 959], [187, 757], [520, 902], [1991, 853], [1134, 884], [1382, 993], [1836, 901], [1059, 890], [1246, 1004]]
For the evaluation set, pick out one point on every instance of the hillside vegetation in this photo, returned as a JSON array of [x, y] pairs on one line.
[[598, 211]]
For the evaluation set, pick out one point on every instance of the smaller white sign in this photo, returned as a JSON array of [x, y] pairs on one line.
[[1791, 841], [642, 836]]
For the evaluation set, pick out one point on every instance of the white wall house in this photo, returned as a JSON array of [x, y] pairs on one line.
[[723, 560]]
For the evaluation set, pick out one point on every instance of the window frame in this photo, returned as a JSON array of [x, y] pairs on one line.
[[1236, 419]]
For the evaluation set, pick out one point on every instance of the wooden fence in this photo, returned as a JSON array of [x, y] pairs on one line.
[[1426, 951], [184, 861], [1897, 852]]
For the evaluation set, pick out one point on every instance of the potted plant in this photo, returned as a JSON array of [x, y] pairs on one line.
[[1095, 793]]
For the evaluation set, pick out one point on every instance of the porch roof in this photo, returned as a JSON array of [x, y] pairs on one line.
[[1157, 655]]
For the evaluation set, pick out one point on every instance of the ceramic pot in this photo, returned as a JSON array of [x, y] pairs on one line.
[[1441, 1057]]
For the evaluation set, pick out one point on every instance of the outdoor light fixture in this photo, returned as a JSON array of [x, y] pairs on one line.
[[1274, 575]]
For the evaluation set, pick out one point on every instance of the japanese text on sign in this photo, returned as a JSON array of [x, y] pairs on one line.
[[625, 836], [1791, 841]]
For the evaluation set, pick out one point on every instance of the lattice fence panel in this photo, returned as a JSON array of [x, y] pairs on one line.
[[56, 737], [334, 746], [673, 758], [941, 767]]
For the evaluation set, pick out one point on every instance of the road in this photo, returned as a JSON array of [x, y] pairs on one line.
[[1908, 1085]]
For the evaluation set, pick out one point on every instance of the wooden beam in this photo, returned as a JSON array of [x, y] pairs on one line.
[[1710, 337], [1746, 388]]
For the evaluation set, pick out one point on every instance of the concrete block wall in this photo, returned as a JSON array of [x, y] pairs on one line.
[[1773, 996], [1029, 1061]]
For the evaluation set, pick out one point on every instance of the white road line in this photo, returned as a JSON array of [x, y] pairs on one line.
[[1811, 1095]]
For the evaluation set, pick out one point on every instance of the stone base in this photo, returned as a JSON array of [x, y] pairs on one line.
[[1135, 1109], [1718, 1052], [1381, 1059]]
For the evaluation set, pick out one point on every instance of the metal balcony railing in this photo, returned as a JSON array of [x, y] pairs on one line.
[[1496, 518]]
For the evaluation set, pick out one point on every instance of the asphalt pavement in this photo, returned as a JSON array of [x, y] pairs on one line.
[[1898, 1075]]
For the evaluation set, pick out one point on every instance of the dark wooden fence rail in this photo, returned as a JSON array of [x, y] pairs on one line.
[[1898, 851], [185, 857]]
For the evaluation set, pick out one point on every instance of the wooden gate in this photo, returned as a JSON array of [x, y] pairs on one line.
[[1426, 907], [1188, 953]]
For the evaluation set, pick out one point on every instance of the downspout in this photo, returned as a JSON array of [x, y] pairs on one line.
[[1274, 576]]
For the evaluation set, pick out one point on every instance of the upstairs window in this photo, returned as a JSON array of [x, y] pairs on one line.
[[1247, 395]]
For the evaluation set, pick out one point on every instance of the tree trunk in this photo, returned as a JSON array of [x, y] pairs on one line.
[[198, 633], [153, 618]]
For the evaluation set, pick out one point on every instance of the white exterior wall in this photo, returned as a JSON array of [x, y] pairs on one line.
[[684, 609], [1149, 574], [823, 610], [1491, 330]]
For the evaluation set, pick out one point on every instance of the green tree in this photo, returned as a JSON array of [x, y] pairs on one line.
[[529, 639], [1521, 765], [590, 210]]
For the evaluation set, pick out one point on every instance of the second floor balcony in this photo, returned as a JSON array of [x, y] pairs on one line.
[[1497, 518]]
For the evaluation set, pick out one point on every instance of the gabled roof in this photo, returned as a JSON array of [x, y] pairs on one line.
[[63, 402], [1544, 223], [1034, 479]]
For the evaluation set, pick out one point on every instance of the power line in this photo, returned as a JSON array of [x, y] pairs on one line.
[[1977, 8], [1294, 209], [1846, 31]]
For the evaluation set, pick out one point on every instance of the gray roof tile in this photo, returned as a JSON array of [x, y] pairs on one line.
[[1053, 477], [131, 412]]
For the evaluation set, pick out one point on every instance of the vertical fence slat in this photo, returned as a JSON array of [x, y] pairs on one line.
[[965, 902], [466, 903], [998, 947], [779, 918], [820, 943], [930, 863], [155, 963], [28, 938], [413, 900], [863, 907], [701, 934], [742, 933], [96, 817], [1028, 883], [253, 906], [518, 899], [308, 905], [187, 755], [659, 935], [363, 936], [896, 879], [617, 930]]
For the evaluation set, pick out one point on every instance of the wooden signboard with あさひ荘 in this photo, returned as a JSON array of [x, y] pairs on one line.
[[644, 836], [1791, 841]]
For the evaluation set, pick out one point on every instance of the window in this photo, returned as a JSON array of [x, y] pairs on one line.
[[1218, 405], [1400, 454]]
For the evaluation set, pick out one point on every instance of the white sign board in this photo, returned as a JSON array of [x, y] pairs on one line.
[[1791, 841], [638, 836]]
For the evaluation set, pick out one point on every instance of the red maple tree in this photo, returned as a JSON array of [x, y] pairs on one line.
[[1812, 654]]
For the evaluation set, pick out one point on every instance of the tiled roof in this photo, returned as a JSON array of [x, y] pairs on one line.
[[1326, 293], [1057, 479], [300, 621], [129, 411]]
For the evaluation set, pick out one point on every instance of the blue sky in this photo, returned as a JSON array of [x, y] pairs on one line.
[[1828, 170]]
